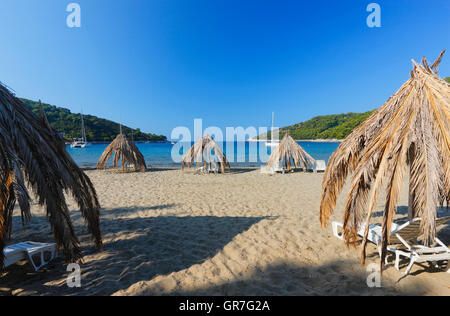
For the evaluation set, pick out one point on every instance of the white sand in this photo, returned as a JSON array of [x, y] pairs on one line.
[[173, 232]]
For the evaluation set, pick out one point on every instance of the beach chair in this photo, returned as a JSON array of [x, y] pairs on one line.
[[278, 167], [320, 166], [316, 166], [39, 254], [200, 170], [403, 242], [213, 167]]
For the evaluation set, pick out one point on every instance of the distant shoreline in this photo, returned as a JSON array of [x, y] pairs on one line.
[[137, 142], [247, 141], [302, 140], [320, 140]]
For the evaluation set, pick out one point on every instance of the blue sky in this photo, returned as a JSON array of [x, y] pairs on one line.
[[160, 64]]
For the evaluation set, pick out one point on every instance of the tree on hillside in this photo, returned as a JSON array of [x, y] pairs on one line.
[[97, 129]]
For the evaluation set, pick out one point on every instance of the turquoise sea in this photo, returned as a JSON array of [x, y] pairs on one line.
[[239, 154]]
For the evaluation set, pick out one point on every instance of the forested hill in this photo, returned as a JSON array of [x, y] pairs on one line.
[[97, 129], [337, 126]]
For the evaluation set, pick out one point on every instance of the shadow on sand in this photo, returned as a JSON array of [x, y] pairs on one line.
[[287, 279], [138, 248], [135, 249]]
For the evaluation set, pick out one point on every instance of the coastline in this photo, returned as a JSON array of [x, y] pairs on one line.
[[300, 140], [244, 154], [137, 142]]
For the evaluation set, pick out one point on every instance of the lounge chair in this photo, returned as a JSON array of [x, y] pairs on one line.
[[278, 167], [316, 166], [213, 167], [200, 170], [403, 242], [39, 254], [320, 166]]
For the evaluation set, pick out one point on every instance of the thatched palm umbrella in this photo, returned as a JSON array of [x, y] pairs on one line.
[[201, 152], [289, 150], [124, 150], [32, 152], [410, 133]]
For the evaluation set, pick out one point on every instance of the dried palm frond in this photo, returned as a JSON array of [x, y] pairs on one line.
[[201, 152], [409, 133], [289, 150], [33, 153], [124, 150]]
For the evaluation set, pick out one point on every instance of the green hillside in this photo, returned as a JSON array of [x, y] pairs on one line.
[[447, 79], [97, 129], [336, 126]]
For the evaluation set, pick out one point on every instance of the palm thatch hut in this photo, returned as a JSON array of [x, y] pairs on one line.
[[201, 152], [124, 150], [291, 154], [32, 153], [408, 136]]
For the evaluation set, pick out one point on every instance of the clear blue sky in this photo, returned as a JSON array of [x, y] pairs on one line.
[[160, 64]]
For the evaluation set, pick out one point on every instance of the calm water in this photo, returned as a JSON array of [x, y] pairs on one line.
[[160, 155]]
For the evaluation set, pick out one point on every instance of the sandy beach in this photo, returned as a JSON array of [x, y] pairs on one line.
[[242, 233]]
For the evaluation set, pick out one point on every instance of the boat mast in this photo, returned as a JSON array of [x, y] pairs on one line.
[[83, 130], [271, 131]]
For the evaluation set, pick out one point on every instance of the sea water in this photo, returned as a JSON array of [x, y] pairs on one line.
[[239, 154]]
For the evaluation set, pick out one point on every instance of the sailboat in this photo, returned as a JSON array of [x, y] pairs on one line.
[[273, 142], [80, 142]]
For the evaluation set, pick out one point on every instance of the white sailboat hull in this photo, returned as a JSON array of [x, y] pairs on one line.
[[78, 145], [80, 142]]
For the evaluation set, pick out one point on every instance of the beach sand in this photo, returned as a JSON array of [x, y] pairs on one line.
[[244, 233]]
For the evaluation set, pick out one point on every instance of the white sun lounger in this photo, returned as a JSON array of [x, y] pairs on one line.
[[39, 254], [272, 169], [316, 166], [278, 168], [200, 170], [213, 167], [320, 166], [405, 236]]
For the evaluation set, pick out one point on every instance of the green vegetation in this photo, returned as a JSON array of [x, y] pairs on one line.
[[337, 126], [97, 129], [447, 79]]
